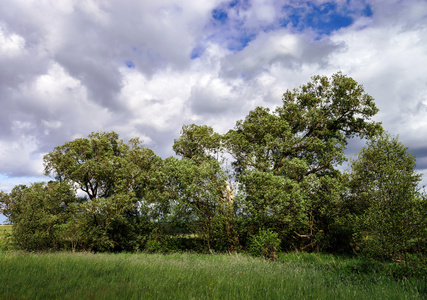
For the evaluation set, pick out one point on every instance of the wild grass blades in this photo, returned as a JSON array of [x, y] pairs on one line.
[[191, 276]]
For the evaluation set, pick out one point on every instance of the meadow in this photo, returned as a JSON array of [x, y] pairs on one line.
[[64, 275]]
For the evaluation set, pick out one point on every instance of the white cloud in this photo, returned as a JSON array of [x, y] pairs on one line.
[[8, 183], [68, 68], [20, 157], [11, 44], [261, 13], [387, 59], [155, 101]]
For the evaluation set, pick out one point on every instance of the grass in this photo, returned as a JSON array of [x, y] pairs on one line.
[[193, 276]]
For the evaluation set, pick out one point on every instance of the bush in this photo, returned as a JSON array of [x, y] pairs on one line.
[[265, 243]]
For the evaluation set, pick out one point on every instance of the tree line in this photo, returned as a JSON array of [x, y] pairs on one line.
[[274, 176]]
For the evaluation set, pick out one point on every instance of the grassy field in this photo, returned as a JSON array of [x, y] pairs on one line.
[[193, 276]]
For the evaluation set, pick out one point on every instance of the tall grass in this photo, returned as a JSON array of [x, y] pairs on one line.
[[191, 276]]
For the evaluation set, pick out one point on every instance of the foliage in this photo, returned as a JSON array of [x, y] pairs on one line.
[[200, 200], [273, 201], [5, 237], [90, 163], [266, 243], [327, 226], [38, 214], [205, 194], [298, 147], [307, 135], [125, 188], [384, 185], [101, 165], [197, 142]]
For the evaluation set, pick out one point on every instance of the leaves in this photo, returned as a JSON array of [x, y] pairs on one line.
[[37, 213], [385, 194]]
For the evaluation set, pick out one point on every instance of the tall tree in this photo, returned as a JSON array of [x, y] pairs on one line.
[[308, 133], [300, 142], [197, 142]]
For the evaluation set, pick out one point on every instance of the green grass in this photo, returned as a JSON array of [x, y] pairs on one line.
[[192, 276]]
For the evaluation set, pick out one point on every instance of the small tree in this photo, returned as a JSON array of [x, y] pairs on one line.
[[266, 243], [203, 186], [385, 196], [38, 213]]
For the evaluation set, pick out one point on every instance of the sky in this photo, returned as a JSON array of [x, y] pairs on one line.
[[144, 68]]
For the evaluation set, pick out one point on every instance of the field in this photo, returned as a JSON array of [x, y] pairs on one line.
[[194, 276]]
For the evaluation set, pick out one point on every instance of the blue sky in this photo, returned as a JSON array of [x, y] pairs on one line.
[[145, 68]]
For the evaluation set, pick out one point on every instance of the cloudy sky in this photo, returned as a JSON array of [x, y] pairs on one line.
[[144, 68]]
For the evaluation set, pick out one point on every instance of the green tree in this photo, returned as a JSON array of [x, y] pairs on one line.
[[273, 202], [301, 143], [197, 143], [386, 198], [308, 133], [38, 214], [203, 186], [120, 182], [92, 163]]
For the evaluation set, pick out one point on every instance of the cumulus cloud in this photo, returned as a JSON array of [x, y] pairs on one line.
[[145, 68], [385, 53]]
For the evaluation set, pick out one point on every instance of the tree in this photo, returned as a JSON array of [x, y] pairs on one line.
[[389, 209], [308, 133], [91, 163], [301, 142], [273, 201], [203, 186], [197, 143], [39, 213], [120, 182]]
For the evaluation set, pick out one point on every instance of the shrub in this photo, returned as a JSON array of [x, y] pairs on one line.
[[265, 243]]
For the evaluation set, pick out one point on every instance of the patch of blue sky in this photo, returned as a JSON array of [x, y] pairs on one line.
[[233, 3], [3, 219], [130, 64], [239, 3], [240, 41], [322, 18], [220, 15], [197, 52], [367, 11], [228, 31]]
